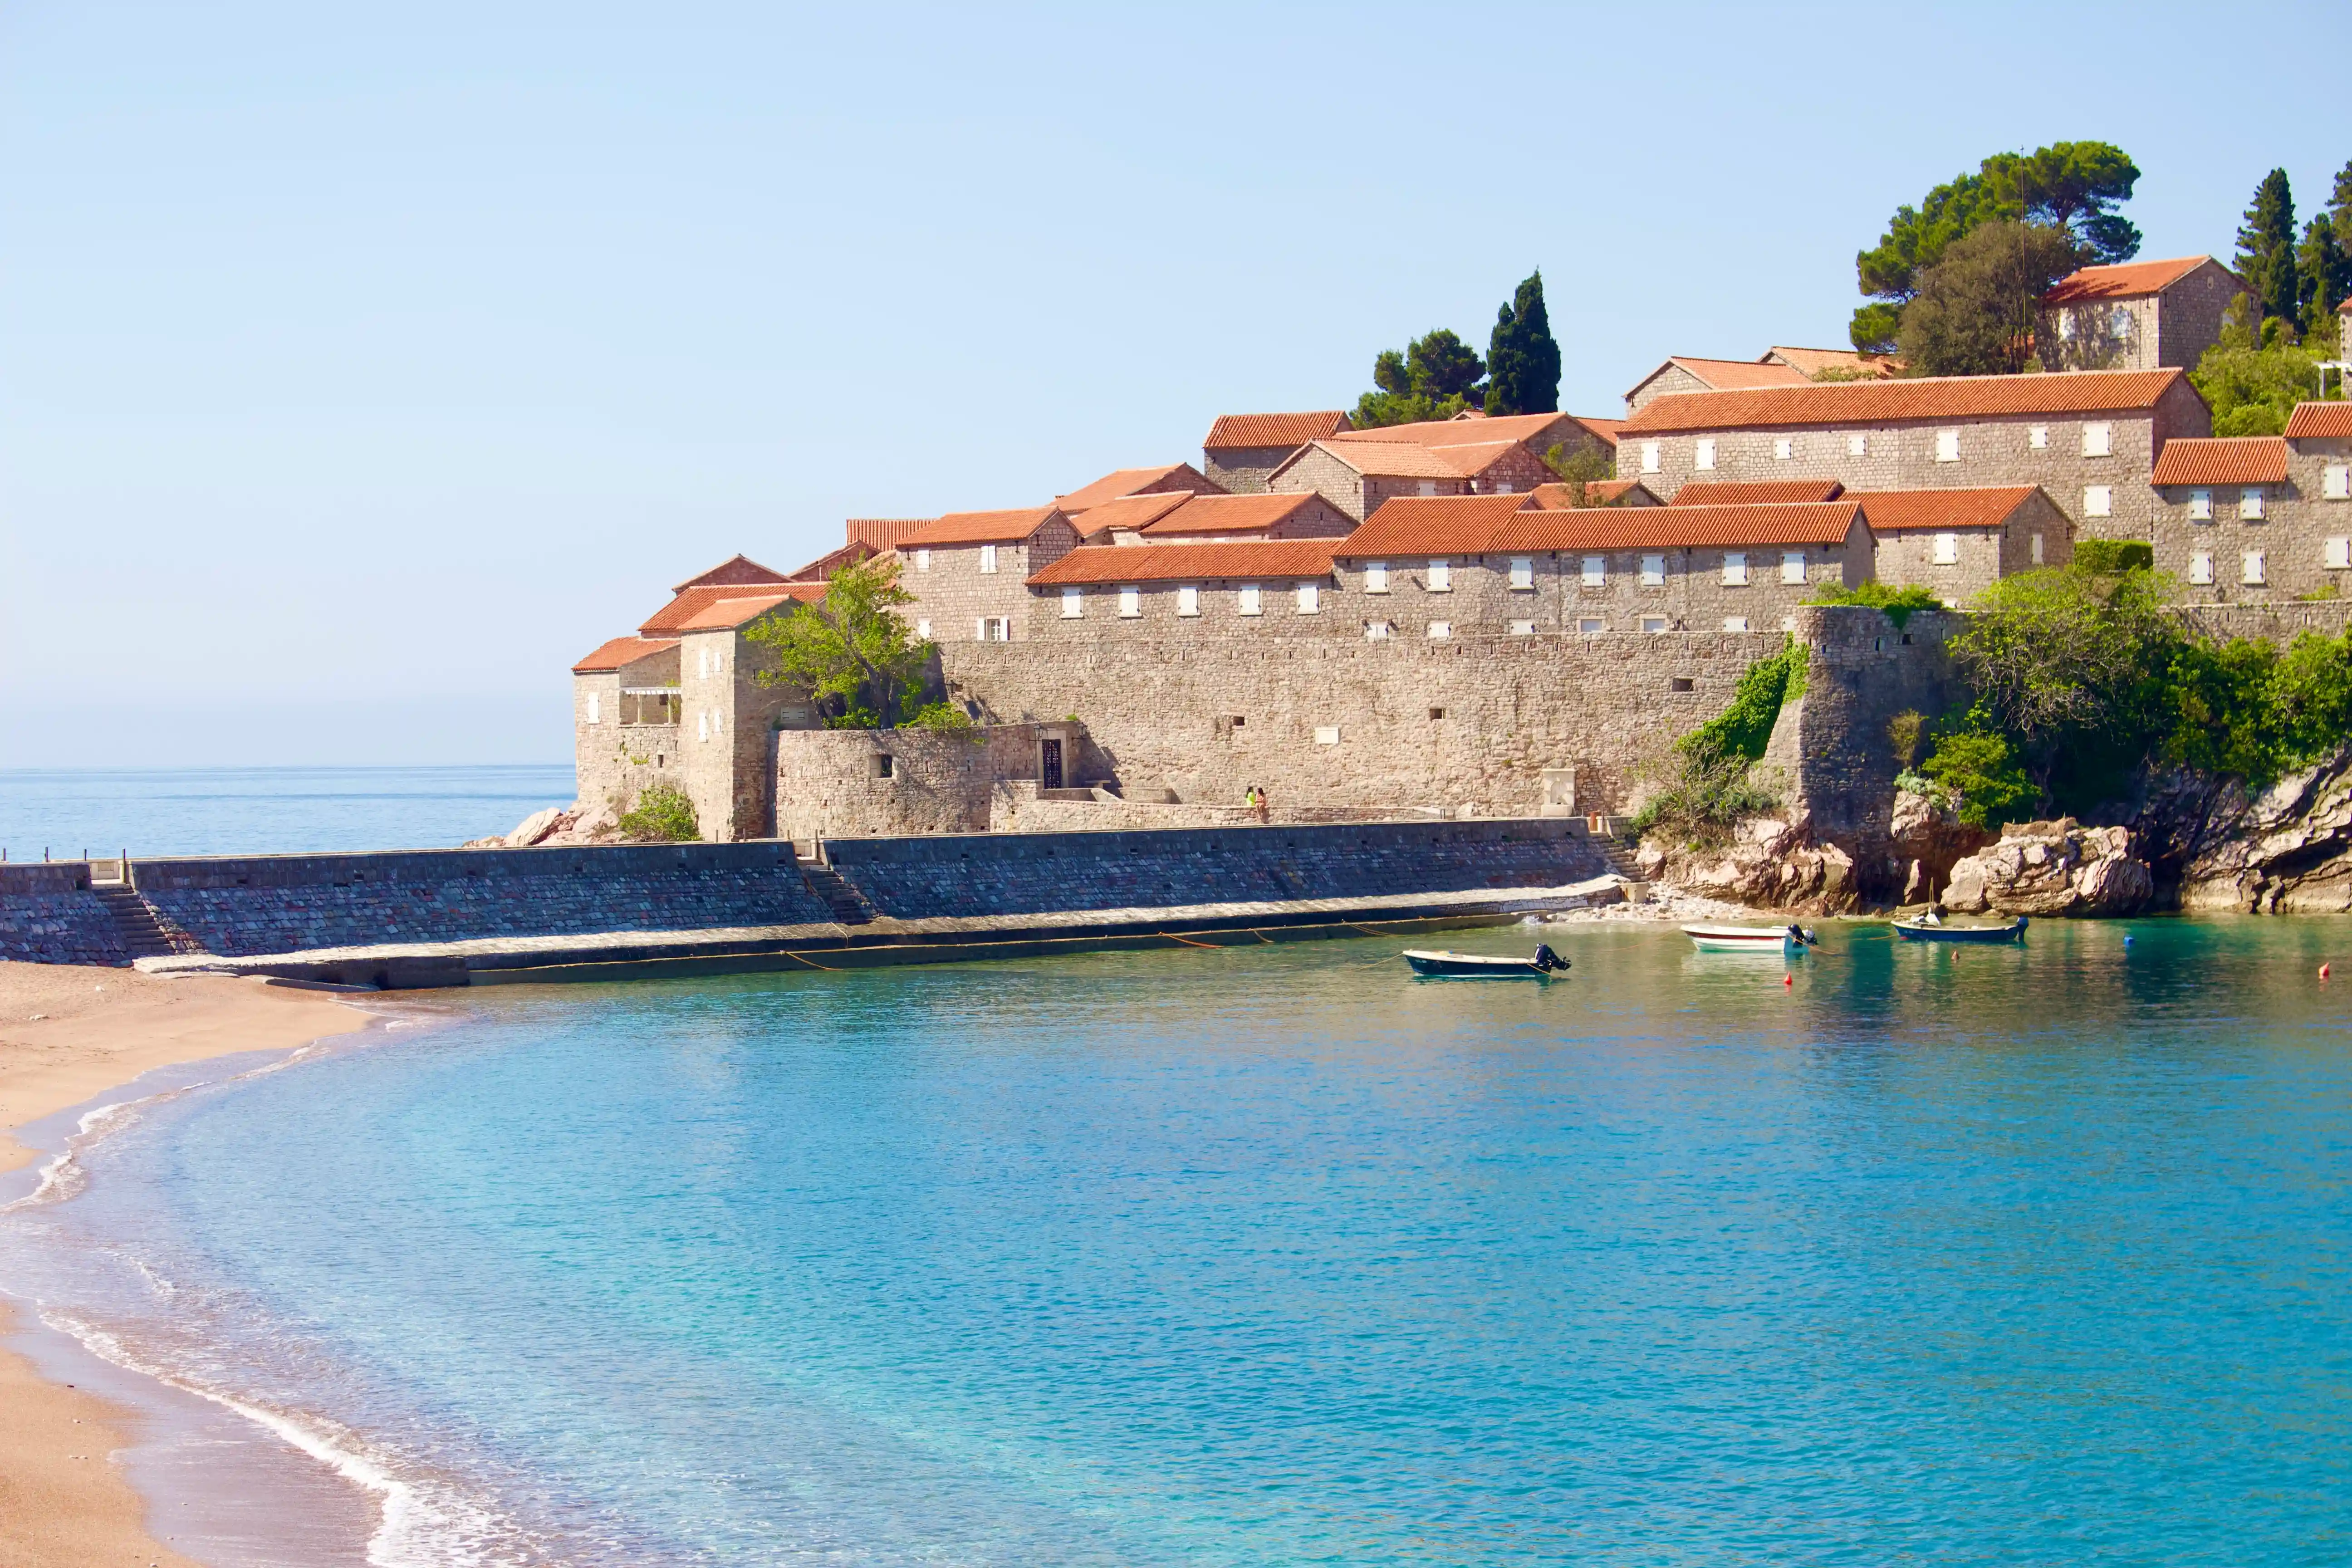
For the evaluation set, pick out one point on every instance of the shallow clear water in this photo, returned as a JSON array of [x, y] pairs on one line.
[[264, 811], [1279, 1256]]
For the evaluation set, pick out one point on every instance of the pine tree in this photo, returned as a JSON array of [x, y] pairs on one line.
[[2339, 208], [2322, 275], [2266, 248], [1522, 357]]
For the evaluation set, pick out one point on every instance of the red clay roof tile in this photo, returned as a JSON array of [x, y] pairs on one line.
[[1431, 525], [1243, 560], [1468, 432], [1235, 430], [1735, 492], [733, 572], [1812, 362], [2226, 461], [1129, 482], [622, 651], [724, 614], [981, 526], [1129, 511], [2312, 421], [2123, 282], [1906, 399], [882, 533], [1677, 526], [1899, 512], [1227, 514], [1558, 496]]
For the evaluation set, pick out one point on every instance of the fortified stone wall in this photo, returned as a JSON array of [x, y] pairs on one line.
[[49, 915], [862, 781], [1013, 873]]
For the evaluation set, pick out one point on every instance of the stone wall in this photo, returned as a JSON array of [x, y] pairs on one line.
[[614, 760], [284, 903], [952, 595], [875, 782], [1243, 471], [2299, 520], [1985, 555], [49, 915], [1391, 726], [1016, 874], [724, 741]]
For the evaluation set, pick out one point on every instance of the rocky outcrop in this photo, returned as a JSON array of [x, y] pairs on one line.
[[1771, 864], [2285, 850], [1930, 839], [2052, 869], [555, 827]]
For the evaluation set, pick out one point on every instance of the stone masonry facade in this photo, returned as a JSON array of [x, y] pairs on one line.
[[976, 593]]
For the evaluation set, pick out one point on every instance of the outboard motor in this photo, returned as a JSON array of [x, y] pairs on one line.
[[1548, 961], [1801, 934]]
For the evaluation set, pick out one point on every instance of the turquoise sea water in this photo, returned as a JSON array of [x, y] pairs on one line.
[[1278, 1256], [264, 811]]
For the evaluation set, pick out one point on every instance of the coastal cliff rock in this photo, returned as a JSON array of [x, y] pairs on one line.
[[1771, 864], [1930, 838], [557, 825], [2285, 850], [2052, 869]]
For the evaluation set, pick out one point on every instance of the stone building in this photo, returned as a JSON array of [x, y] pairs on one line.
[[1174, 479], [881, 533], [2138, 315], [966, 570], [1594, 492], [1833, 364], [1960, 542], [1752, 492], [1242, 450], [1445, 569], [1535, 434], [1179, 594], [1220, 518], [1358, 477], [2260, 518], [1683, 372], [2089, 440]]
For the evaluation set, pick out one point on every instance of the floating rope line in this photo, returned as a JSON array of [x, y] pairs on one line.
[[813, 964], [1188, 941]]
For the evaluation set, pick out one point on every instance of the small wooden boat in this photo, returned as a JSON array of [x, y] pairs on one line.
[[1918, 929], [1484, 967], [1787, 939]]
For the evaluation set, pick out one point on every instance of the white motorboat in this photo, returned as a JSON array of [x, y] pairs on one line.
[[1778, 940]]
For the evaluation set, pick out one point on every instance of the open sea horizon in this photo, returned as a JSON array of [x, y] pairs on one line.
[[1998, 1256], [64, 813]]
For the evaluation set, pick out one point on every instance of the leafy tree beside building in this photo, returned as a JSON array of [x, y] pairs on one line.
[[852, 652], [1975, 311]]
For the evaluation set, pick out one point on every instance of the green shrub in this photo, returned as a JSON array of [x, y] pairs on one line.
[[2114, 557], [1898, 604], [1711, 791], [662, 815], [1984, 774], [1902, 732]]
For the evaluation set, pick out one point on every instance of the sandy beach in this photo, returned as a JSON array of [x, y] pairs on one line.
[[68, 1034]]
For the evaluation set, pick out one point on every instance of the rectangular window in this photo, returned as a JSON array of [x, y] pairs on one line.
[[1648, 456], [1596, 572], [1427, 487], [1378, 631], [1502, 487], [702, 662], [2249, 503], [1523, 628], [1245, 600], [1376, 576], [1592, 626], [1654, 623], [2201, 566], [923, 629], [1188, 600], [1440, 630], [702, 726], [980, 628], [2098, 500], [2336, 553], [2098, 440], [593, 704], [2335, 482], [1000, 628], [922, 560], [1792, 566], [988, 558], [1735, 568], [2065, 326], [1783, 449], [1948, 550], [1947, 446], [1441, 577], [2119, 323], [1310, 598], [1735, 623], [2037, 437], [1703, 454], [1855, 446], [1523, 572], [1654, 571], [1327, 734], [2037, 550], [1131, 601], [2200, 506], [1073, 604], [2249, 568]]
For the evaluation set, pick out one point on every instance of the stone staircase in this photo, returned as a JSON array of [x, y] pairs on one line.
[[849, 907], [134, 922]]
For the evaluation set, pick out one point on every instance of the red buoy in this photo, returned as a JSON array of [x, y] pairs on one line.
[[2323, 971], [1787, 980]]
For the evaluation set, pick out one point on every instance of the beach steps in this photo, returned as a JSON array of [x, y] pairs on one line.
[[848, 905], [142, 935]]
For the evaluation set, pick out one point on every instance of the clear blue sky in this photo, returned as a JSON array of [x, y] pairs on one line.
[[361, 369]]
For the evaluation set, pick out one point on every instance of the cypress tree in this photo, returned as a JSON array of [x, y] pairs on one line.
[[1522, 357], [2266, 248]]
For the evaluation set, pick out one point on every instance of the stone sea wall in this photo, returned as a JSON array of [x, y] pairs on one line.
[[49, 915]]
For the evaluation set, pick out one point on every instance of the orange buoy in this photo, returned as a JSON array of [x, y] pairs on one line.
[[2323, 971]]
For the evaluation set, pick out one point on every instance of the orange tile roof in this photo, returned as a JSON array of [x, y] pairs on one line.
[[2123, 282], [725, 614], [1431, 525], [1734, 492], [981, 526], [882, 533], [620, 651], [1677, 526], [1812, 362], [1473, 431], [825, 565], [1228, 514], [1558, 497], [1129, 511], [1233, 430], [2315, 420], [1899, 512], [1605, 428], [1247, 559], [1406, 460], [733, 572], [1905, 398], [1129, 482], [1728, 374], [688, 604], [2228, 460]]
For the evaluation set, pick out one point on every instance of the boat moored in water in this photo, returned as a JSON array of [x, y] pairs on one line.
[[1484, 967], [1787, 939], [1919, 928]]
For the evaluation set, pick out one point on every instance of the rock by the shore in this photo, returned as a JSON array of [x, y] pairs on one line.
[[1771, 864], [2287, 850], [2052, 869], [1928, 834], [556, 826]]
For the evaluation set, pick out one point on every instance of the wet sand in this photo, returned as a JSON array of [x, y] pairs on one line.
[[68, 1034]]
